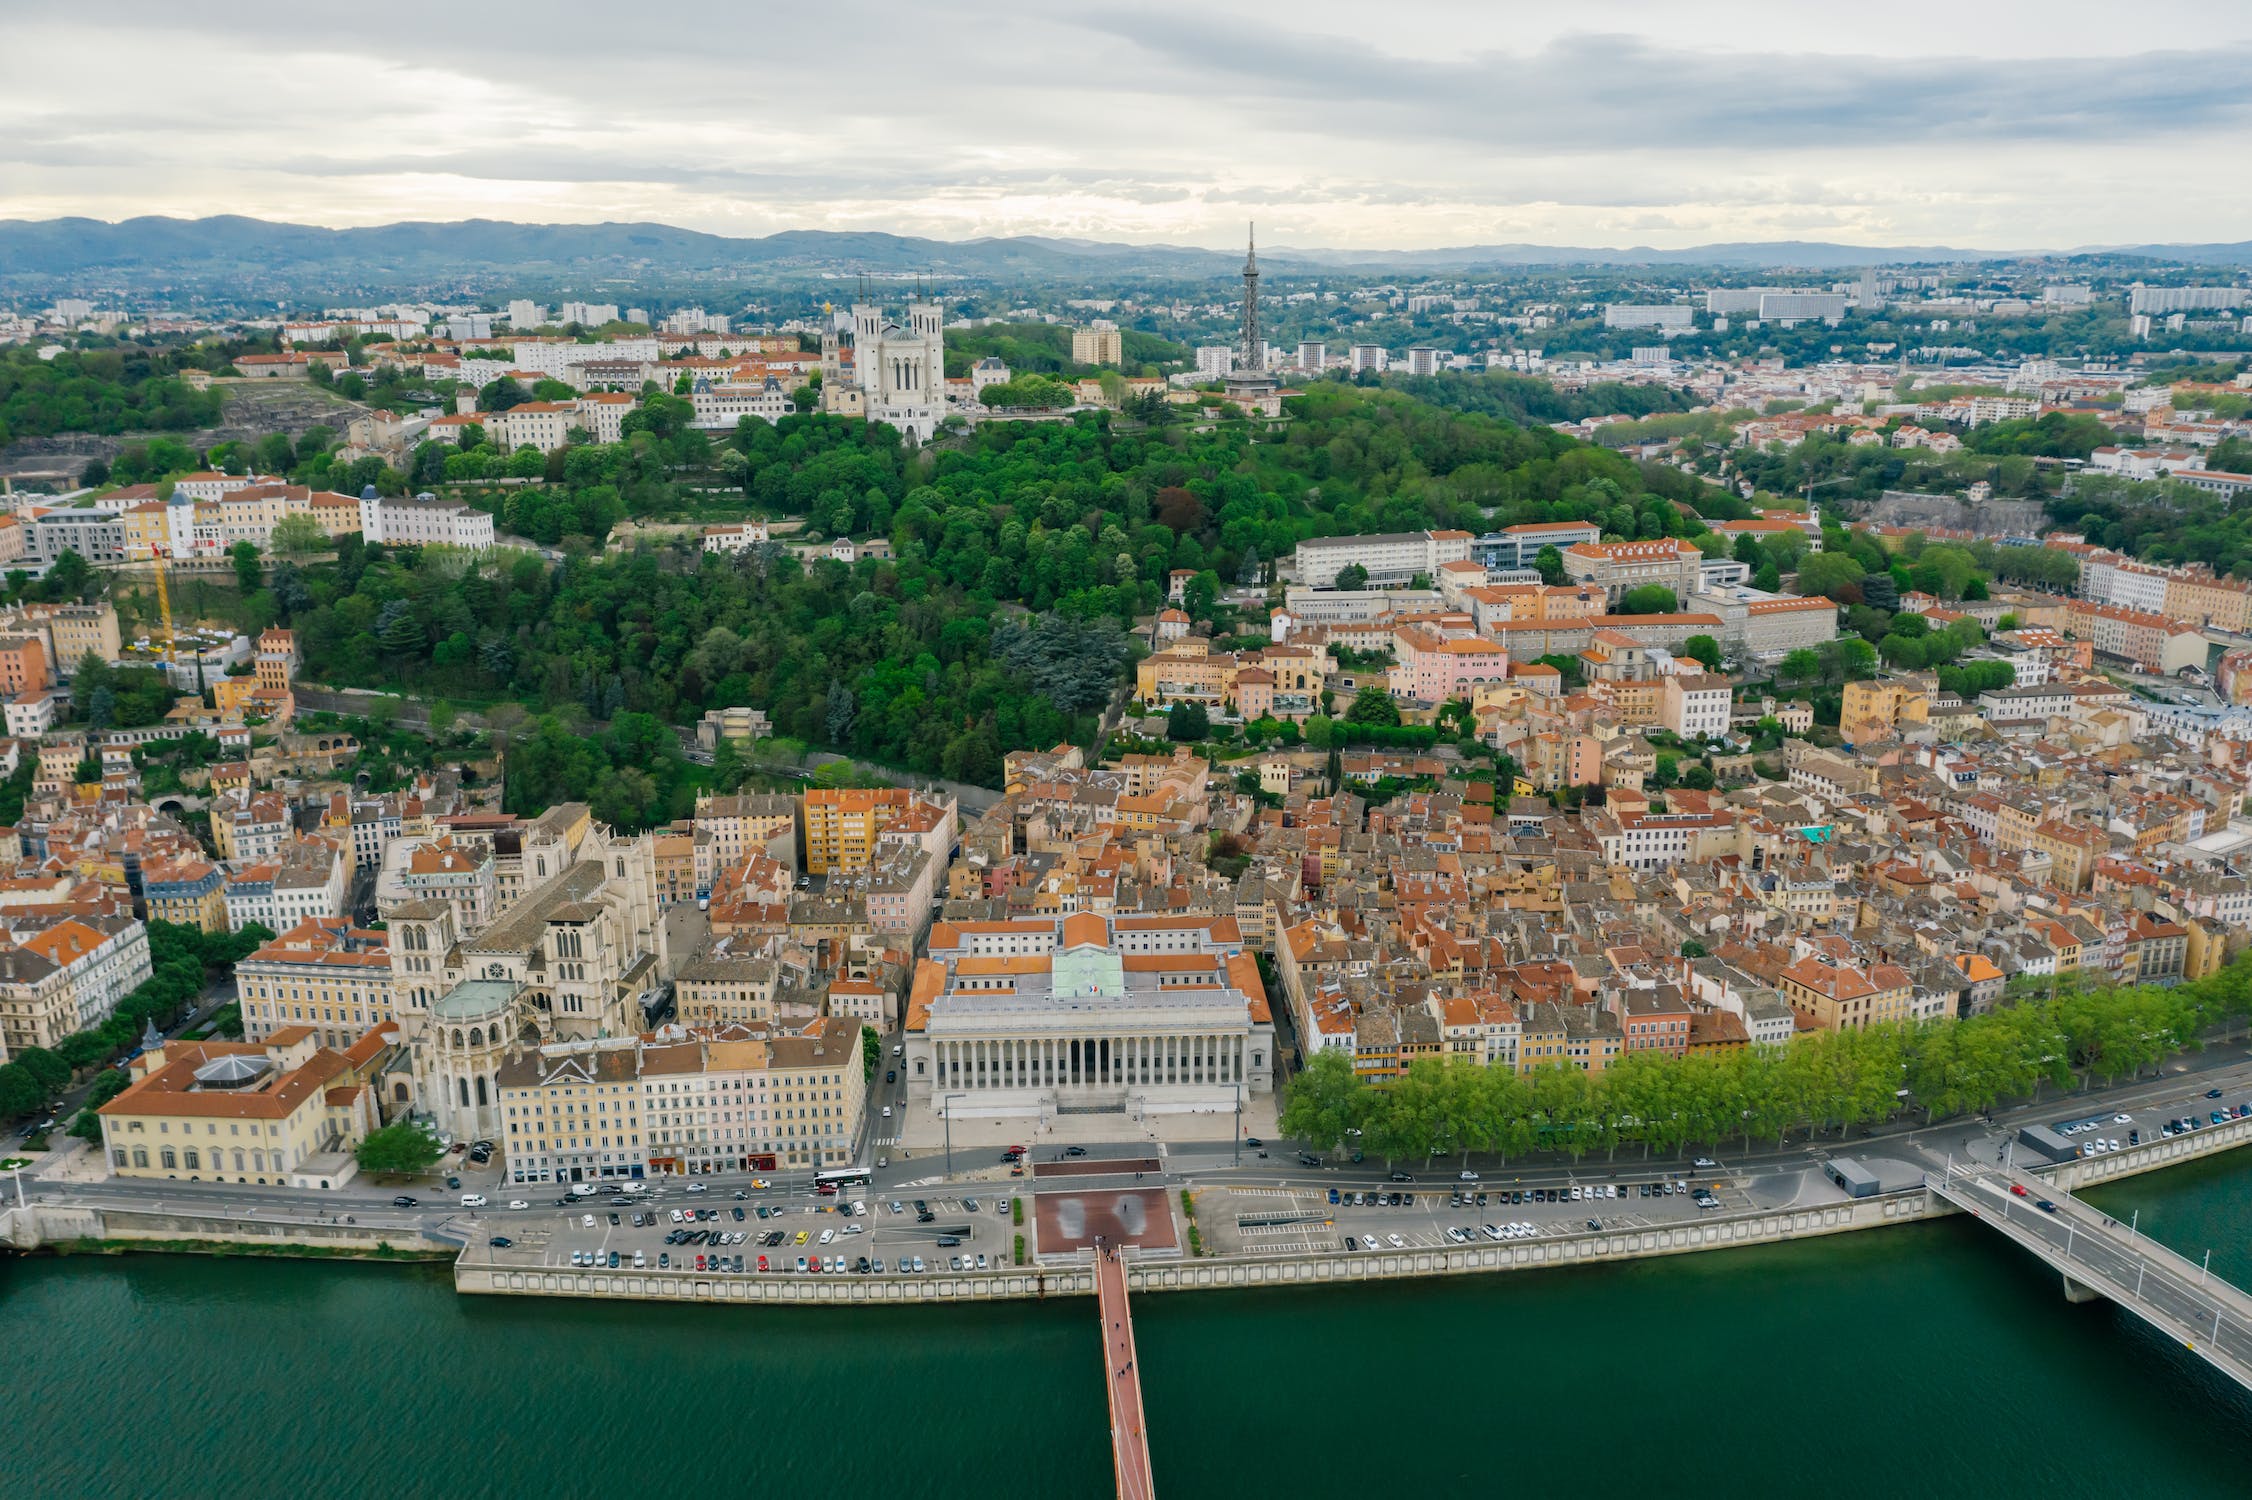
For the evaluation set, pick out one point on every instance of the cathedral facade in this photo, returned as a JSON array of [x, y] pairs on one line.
[[897, 369]]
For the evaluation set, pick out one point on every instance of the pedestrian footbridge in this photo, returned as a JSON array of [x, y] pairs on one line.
[[1129, 1441], [2100, 1257]]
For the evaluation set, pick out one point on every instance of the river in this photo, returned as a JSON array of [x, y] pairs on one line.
[[1929, 1360]]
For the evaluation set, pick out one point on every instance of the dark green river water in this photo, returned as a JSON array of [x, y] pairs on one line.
[[1926, 1361]]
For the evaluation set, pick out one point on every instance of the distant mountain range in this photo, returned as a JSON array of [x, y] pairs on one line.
[[230, 245]]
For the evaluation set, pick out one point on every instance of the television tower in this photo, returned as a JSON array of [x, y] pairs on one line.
[[1253, 357]]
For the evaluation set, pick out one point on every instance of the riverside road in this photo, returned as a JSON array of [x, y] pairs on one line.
[[1902, 1151]]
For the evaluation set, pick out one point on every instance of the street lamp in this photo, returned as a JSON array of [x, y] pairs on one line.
[[1239, 1123], [946, 1113]]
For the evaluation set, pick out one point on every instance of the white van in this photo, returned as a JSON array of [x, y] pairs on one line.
[[582, 1189], [472, 1200]]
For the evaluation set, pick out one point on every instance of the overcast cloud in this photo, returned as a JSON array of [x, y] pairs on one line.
[[1407, 124]]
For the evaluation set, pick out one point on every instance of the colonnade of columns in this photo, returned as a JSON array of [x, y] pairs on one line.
[[1110, 1062]]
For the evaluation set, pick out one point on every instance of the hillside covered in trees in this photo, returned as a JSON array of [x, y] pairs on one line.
[[1021, 554]]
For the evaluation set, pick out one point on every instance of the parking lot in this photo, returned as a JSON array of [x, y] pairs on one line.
[[1297, 1221], [2099, 1134], [792, 1233]]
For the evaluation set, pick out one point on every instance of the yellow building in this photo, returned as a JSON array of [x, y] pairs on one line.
[[841, 825], [148, 530], [324, 974], [190, 892], [2226, 603], [1840, 997], [284, 1111], [1873, 710], [2073, 851], [572, 1111]]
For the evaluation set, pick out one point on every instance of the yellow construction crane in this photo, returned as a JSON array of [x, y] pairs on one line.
[[163, 604]]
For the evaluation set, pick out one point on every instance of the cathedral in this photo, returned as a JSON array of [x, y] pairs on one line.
[[578, 955], [898, 370]]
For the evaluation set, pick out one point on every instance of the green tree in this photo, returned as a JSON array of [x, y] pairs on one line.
[[51, 1071], [1324, 1102], [1704, 649], [1373, 705], [299, 535], [1836, 574], [70, 576], [248, 574], [1352, 577], [398, 1150], [1550, 562], [20, 1093], [502, 395], [1187, 722], [1650, 599]]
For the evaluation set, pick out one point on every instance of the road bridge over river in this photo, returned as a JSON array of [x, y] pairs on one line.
[[2100, 1257]]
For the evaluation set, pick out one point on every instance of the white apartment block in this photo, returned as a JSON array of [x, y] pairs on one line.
[[1695, 703], [1787, 307], [425, 521], [2181, 299], [1648, 315], [1389, 557]]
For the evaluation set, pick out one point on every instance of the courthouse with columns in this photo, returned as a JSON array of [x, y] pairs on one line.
[[1085, 1014]]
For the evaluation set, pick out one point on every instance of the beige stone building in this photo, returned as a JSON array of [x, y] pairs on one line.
[[282, 1111]]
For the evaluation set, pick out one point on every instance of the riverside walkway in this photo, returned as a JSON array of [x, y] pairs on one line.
[[2100, 1257], [1129, 1437]]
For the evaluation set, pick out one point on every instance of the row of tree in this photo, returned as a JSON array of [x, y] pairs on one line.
[[1820, 1083]]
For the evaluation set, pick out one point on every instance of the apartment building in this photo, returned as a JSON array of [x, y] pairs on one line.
[[842, 826], [325, 975], [1389, 558], [1695, 703], [66, 977], [571, 1111], [1843, 997], [730, 982], [187, 891], [731, 829], [249, 827], [744, 1099], [1099, 344], [305, 881], [424, 521]]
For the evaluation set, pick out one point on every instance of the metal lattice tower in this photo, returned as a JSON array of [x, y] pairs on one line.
[[1253, 355]]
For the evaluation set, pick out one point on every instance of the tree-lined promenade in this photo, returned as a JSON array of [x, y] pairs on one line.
[[1821, 1083]]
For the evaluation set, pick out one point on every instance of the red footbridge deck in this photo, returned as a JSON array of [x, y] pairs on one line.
[[1129, 1437]]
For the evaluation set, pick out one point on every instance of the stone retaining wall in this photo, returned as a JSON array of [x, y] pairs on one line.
[[47, 1224]]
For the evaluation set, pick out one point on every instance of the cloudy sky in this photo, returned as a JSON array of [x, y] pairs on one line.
[[1405, 123]]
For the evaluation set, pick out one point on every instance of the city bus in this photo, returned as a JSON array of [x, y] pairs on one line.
[[829, 1182]]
